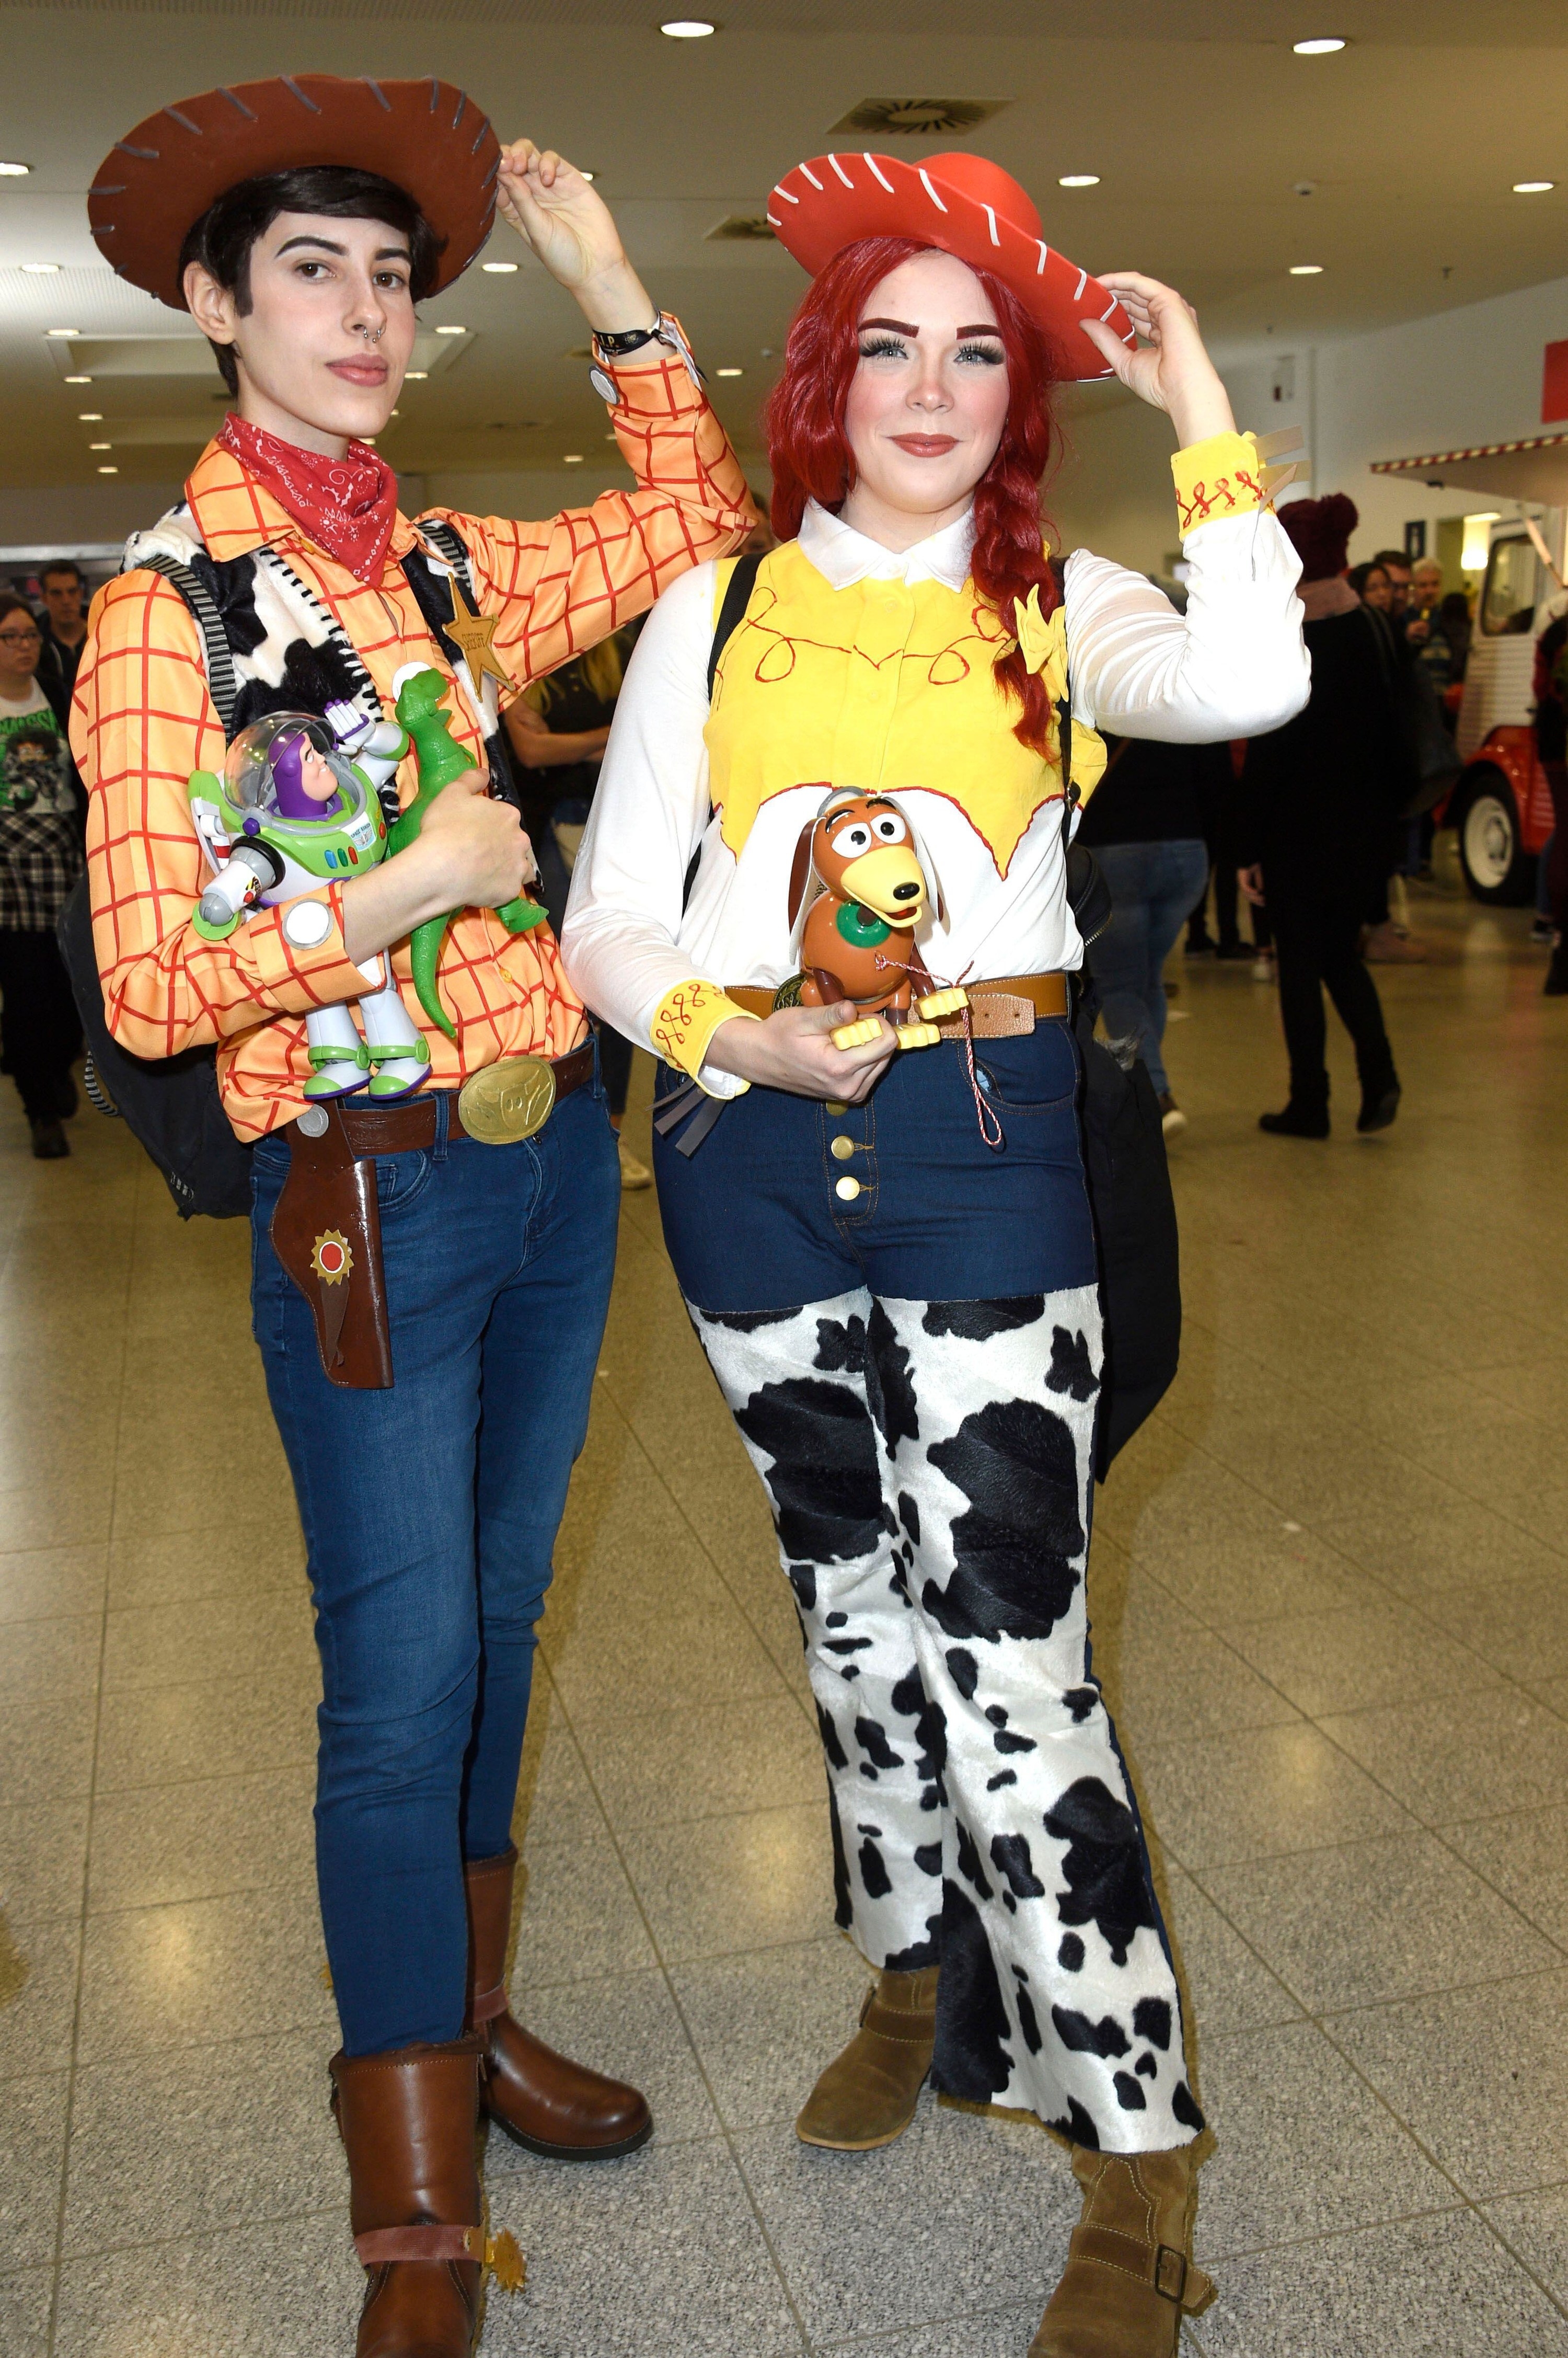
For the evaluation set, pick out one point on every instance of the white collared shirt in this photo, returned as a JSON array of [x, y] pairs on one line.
[[1234, 666]]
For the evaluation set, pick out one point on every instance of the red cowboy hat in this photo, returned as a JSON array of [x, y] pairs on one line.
[[161, 177], [967, 206]]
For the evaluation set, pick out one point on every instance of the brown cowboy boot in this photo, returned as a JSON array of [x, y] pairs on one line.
[[1130, 2277], [408, 2120], [866, 2095], [553, 2107]]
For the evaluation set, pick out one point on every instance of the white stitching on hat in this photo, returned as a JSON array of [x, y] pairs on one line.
[[878, 170], [773, 223], [1083, 282], [184, 121], [435, 93], [925, 183], [990, 217], [785, 195], [144, 155], [838, 167], [1109, 308], [294, 91], [481, 136], [1044, 258], [377, 93], [807, 174], [462, 102], [237, 104]]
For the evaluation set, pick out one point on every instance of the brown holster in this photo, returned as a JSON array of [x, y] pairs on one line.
[[326, 1233]]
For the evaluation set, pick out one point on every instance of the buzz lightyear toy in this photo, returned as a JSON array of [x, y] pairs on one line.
[[298, 805]]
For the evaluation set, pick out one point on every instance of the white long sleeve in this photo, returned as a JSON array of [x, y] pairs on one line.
[[1233, 666]]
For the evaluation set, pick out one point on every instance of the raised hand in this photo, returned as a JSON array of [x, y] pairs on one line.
[[1168, 367], [570, 227]]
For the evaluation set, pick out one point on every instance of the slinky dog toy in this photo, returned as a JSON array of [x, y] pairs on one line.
[[862, 881]]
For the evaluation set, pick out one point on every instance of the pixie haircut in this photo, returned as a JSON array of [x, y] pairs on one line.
[[222, 238]]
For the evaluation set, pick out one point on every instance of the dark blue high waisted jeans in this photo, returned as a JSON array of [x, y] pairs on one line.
[[429, 1513]]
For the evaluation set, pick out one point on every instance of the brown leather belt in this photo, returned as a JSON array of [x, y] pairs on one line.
[[1003, 1008], [326, 1229]]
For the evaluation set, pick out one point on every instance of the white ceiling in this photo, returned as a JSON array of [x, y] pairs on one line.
[[1197, 116]]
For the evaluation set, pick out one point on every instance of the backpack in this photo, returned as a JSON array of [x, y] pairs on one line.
[[170, 1104]]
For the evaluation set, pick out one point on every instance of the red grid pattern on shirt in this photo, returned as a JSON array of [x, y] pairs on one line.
[[143, 721]]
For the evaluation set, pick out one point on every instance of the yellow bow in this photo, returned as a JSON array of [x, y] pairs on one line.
[[1033, 629]]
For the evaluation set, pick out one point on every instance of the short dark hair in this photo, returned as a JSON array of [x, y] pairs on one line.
[[222, 238], [10, 604], [1387, 556], [63, 565]]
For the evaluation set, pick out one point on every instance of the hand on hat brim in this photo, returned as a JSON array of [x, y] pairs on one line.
[[1168, 368], [569, 227]]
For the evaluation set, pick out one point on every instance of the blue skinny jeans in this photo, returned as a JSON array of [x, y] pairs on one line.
[[429, 1512], [1154, 887]]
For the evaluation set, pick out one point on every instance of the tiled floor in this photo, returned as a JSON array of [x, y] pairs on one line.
[[1329, 1588]]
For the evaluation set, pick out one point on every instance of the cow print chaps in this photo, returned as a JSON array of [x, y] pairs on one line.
[[929, 1468]]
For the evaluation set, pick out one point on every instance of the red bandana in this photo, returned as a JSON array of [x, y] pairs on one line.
[[348, 505]]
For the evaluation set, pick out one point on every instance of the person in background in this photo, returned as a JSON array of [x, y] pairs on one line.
[[1397, 566], [1457, 624], [41, 860], [1320, 793], [557, 731], [1551, 687], [64, 588], [1145, 826], [1383, 586], [1372, 586]]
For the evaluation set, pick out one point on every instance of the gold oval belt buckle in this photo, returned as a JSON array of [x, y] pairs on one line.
[[507, 1101]]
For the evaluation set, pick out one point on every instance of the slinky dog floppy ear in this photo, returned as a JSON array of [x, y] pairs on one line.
[[937, 900], [800, 872]]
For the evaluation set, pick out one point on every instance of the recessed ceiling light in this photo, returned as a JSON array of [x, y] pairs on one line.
[[15, 171], [572, 458], [101, 446], [452, 331], [90, 417], [79, 380], [498, 269], [41, 269], [688, 29], [1078, 180], [108, 470], [393, 413], [586, 174], [1322, 47], [1306, 270], [1533, 188], [729, 371], [414, 376], [62, 334]]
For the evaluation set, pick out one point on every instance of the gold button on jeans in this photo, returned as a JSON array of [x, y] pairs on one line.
[[847, 1190], [842, 1149]]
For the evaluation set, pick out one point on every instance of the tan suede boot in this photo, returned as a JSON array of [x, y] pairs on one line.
[[1130, 2277], [866, 2095]]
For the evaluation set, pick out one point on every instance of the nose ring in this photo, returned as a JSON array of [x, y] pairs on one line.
[[374, 335]]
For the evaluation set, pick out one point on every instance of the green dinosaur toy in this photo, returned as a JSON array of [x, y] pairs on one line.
[[420, 710]]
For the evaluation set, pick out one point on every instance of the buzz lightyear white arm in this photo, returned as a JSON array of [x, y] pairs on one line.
[[376, 747]]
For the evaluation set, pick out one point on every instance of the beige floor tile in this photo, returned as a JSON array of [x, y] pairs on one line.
[[761, 1881], [1451, 1542], [579, 1917], [168, 1645], [180, 1567], [1268, 1791], [38, 1964], [660, 1769], [43, 1858], [203, 1973], [1226, 1986], [289, 2290], [200, 1840], [31, 2153], [1359, 1656], [1519, 1626], [1500, 1750], [25, 2299], [216, 1726], [1526, 1858], [43, 1582]]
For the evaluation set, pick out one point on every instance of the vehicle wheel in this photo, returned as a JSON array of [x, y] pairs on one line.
[[1497, 867]]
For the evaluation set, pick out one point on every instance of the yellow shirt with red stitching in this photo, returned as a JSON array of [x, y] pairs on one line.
[[142, 720]]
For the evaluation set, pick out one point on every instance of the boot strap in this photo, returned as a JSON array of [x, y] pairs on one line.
[[489, 2003], [383, 2246], [1165, 2269]]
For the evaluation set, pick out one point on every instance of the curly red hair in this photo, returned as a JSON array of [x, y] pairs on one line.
[[811, 457]]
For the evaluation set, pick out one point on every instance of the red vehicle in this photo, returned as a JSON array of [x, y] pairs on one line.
[[1501, 807]]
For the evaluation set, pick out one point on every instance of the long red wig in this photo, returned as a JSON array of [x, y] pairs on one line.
[[811, 457]]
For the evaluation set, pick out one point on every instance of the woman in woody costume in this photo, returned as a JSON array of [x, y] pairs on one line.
[[472, 1226], [887, 1250]]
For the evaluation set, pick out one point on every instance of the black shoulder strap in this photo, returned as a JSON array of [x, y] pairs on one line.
[[1058, 572], [436, 605], [737, 598], [221, 683]]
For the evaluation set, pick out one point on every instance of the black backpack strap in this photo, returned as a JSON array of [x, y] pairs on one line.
[[435, 603], [737, 598], [222, 685]]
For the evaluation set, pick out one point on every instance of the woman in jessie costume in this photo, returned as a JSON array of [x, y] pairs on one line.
[[886, 1247]]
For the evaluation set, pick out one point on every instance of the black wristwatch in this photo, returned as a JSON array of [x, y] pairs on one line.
[[618, 347], [627, 340]]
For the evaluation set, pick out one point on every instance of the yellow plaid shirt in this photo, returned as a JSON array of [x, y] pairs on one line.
[[142, 720]]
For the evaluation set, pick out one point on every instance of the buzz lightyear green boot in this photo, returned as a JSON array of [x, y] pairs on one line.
[[394, 1043], [339, 1060]]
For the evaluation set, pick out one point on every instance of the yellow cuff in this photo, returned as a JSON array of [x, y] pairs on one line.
[[1222, 477], [687, 1021]]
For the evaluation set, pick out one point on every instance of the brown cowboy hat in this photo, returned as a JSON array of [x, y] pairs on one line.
[[425, 136], [966, 205]]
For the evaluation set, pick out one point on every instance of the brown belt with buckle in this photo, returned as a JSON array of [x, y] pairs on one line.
[[1004, 1009], [326, 1229]]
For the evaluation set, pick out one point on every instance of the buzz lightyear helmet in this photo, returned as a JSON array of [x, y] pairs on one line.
[[262, 771]]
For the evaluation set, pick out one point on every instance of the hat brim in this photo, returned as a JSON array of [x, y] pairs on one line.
[[426, 137], [833, 200]]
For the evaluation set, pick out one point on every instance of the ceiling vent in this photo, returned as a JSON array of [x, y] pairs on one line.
[[739, 228], [920, 118]]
